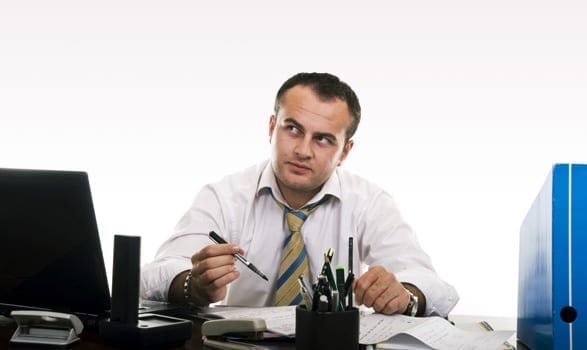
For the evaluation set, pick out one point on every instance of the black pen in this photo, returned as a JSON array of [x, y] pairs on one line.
[[216, 238], [349, 288]]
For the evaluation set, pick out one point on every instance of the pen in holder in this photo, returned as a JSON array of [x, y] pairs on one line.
[[327, 330]]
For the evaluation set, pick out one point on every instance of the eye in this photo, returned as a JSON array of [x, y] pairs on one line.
[[292, 128], [324, 139]]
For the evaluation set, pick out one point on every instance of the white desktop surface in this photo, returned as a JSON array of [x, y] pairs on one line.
[[498, 323], [470, 323]]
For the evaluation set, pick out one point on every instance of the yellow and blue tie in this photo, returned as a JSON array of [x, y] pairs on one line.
[[294, 260]]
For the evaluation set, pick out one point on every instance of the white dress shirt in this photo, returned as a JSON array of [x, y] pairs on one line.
[[241, 208]]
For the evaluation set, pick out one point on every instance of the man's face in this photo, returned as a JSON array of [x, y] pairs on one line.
[[307, 142]]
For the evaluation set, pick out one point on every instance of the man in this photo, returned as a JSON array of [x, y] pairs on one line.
[[316, 116]]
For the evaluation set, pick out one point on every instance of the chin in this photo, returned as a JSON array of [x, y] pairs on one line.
[[304, 187], [294, 183]]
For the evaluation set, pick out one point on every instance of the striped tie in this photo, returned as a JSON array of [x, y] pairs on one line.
[[294, 260]]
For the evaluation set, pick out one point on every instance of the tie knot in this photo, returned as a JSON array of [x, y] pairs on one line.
[[295, 218]]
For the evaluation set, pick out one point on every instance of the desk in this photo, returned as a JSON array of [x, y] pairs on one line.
[[91, 340], [469, 323]]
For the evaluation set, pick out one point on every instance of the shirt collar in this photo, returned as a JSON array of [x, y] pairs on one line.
[[268, 183]]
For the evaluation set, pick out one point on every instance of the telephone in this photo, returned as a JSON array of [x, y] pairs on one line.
[[245, 328], [223, 333], [46, 328]]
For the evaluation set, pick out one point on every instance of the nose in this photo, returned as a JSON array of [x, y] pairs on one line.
[[303, 148]]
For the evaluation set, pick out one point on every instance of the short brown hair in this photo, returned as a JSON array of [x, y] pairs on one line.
[[327, 87]]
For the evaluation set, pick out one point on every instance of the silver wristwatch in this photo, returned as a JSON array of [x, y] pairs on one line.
[[412, 308]]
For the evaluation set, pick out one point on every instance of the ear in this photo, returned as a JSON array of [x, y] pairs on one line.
[[272, 121], [345, 151]]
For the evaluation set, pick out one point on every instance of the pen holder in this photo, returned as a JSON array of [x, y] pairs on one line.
[[327, 330]]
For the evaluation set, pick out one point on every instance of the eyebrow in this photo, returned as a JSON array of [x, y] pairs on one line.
[[321, 134]]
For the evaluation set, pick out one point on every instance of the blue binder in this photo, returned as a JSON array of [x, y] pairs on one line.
[[552, 287]]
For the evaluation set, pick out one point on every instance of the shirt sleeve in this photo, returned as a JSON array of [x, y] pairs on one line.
[[189, 236], [389, 241]]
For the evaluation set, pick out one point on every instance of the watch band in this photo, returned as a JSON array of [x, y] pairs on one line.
[[186, 287], [412, 309]]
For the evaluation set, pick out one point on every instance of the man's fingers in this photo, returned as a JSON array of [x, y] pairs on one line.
[[381, 290], [213, 268], [223, 278], [361, 285], [370, 285], [206, 276], [379, 299], [200, 266], [216, 289], [392, 302], [216, 250]]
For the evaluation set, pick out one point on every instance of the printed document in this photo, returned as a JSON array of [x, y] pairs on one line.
[[383, 331]]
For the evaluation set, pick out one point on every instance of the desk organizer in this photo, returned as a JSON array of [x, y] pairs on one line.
[[552, 289], [327, 330]]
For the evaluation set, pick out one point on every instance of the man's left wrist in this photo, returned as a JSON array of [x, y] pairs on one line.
[[412, 308], [417, 301]]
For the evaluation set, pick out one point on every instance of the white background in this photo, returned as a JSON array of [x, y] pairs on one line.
[[466, 106]]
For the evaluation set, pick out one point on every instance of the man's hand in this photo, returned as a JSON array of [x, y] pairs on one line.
[[381, 290], [213, 268]]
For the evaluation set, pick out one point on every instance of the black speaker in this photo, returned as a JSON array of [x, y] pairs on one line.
[[126, 279], [125, 326]]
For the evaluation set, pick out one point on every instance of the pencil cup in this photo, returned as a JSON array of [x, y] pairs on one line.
[[327, 330]]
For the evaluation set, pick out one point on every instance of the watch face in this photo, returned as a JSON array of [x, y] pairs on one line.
[[412, 308]]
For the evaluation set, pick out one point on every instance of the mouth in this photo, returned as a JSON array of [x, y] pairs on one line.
[[298, 168]]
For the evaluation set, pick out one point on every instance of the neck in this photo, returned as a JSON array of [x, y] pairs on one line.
[[296, 203], [296, 199]]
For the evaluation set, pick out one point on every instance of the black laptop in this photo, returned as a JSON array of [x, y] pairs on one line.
[[50, 252]]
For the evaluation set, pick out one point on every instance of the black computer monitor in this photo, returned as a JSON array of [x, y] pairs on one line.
[[50, 253]]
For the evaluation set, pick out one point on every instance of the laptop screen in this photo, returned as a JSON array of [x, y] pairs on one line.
[[50, 253]]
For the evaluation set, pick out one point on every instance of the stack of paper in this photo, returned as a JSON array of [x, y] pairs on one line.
[[403, 332], [381, 331]]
